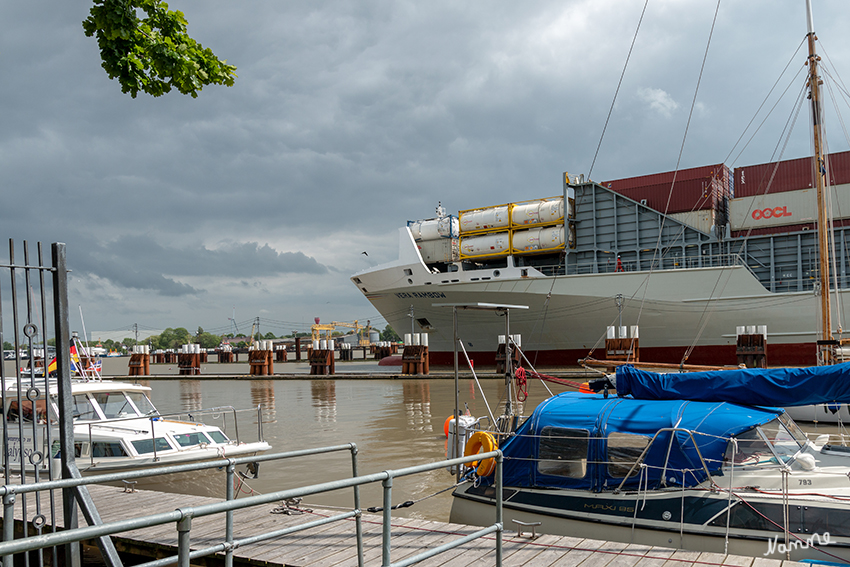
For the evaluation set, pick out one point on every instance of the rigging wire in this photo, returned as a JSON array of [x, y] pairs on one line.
[[766, 98], [679, 160], [617, 91]]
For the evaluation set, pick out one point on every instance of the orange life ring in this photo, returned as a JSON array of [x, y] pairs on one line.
[[481, 442]]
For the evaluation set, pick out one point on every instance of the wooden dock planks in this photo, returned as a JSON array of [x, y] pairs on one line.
[[334, 545]]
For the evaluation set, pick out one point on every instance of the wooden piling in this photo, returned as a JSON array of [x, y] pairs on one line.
[[752, 350], [262, 363], [139, 364], [501, 361], [321, 362], [189, 363], [415, 360]]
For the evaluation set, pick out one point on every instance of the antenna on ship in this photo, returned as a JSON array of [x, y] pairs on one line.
[[826, 342], [441, 210]]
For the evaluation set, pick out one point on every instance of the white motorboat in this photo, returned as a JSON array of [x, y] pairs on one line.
[[117, 428]]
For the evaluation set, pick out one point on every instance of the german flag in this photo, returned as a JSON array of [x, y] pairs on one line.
[[75, 361]]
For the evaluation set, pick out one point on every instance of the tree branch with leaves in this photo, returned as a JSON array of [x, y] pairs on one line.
[[147, 48]]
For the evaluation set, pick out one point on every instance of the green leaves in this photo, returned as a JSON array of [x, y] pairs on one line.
[[153, 53]]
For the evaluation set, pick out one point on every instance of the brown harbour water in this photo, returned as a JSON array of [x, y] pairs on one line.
[[394, 423]]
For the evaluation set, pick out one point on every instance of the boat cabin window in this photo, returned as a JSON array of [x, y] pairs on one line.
[[144, 446], [190, 439], [83, 408], [114, 404], [25, 411], [563, 452], [107, 449], [142, 403], [624, 449], [218, 436], [56, 452]]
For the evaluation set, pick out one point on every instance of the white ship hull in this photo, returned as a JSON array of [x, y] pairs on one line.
[[568, 315]]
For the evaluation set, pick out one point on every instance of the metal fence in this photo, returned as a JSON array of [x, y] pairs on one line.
[[182, 517], [34, 300]]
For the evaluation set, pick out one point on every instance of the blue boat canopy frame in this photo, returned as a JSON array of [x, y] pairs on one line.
[[590, 442]]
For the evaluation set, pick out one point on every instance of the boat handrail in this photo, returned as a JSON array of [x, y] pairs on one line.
[[690, 434], [155, 417]]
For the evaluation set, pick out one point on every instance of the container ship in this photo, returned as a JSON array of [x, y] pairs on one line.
[[688, 257]]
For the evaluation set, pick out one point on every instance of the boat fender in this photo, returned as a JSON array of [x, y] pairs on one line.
[[481, 442], [446, 425], [807, 462]]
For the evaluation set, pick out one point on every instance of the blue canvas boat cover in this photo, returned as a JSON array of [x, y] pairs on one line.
[[578, 427], [779, 387]]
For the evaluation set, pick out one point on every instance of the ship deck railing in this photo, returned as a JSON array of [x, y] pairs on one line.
[[612, 265], [75, 488], [779, 278]]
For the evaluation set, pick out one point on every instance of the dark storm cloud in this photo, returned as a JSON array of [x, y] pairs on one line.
[[348, 119], [138, 262]]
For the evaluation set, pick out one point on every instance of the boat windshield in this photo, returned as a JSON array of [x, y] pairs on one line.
[[785, 443], [766, 444], [142, 403], [114, 404]]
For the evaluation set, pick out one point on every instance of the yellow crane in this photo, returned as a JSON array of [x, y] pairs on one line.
[[328, 328]]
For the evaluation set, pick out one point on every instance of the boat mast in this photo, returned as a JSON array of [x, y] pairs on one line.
[[826, 340]]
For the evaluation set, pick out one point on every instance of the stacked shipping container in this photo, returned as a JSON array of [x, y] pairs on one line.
[[781, 197], [696, 189], [755, 199], [789, 175]]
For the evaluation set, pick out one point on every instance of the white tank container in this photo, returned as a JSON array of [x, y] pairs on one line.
[[485, 219], [441, 250], [538, 212], [549, 238], [497, 244], [432, 229]]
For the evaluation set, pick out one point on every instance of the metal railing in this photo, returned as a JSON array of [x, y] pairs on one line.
[[190, 415], [182, 518], [609, 264]]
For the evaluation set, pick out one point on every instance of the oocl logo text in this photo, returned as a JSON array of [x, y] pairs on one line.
[[774, 213]]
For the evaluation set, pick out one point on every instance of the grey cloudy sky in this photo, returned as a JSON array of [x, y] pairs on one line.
[[350, 118]]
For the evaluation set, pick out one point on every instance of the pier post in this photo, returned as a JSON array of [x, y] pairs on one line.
[[184, 527], [228, 523], [9, 525], [388, 517]]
